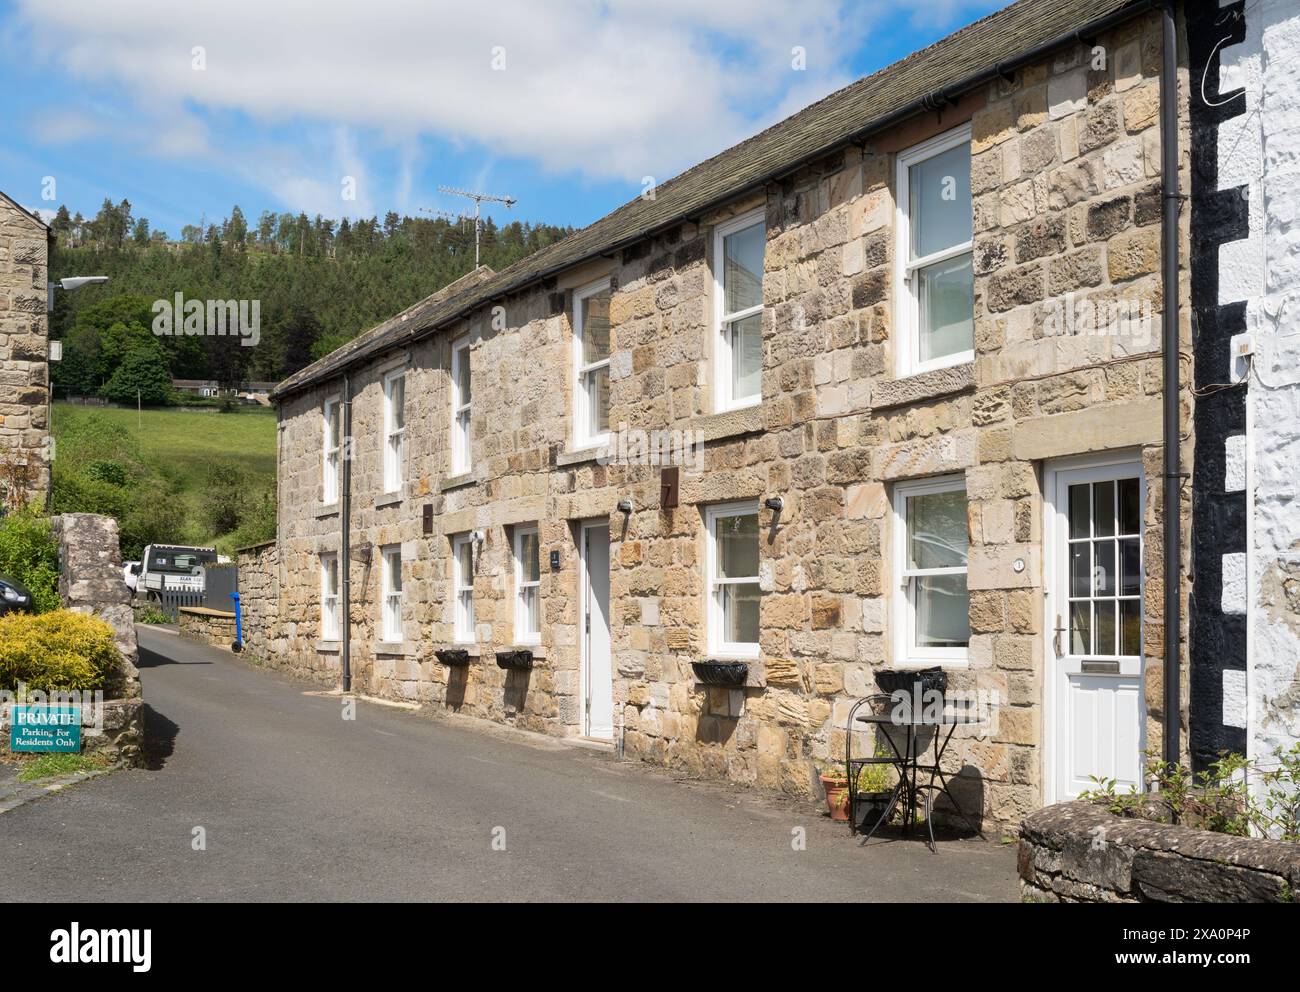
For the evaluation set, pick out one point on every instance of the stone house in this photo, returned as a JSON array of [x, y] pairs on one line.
[[880, 387], [25, 242]]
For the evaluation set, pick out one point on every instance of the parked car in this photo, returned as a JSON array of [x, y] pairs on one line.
[[173, 568], [131, 574], [14, 596]]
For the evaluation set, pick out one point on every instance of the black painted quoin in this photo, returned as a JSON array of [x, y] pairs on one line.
[[1218, 639]]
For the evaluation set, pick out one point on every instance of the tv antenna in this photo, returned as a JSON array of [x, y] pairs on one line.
[[448, 216], [478, 199]]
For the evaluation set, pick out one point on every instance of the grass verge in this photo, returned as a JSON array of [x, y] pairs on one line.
[[58, 765]]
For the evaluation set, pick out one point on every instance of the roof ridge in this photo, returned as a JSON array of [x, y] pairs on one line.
[[957, 59]]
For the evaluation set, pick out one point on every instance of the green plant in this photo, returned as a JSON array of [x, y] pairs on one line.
[[1281, 793], [831, 769], [58, 765], [225, 497], [153, 615], [142, 377], [257, 523], [29, 554], [111, 472], [56, 650], [1221, 798]]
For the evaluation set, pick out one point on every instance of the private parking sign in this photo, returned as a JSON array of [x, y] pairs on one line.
[[45, 728]]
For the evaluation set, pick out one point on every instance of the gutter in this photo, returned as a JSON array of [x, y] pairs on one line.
[[929, 102], [1169, 334], [345, 538]]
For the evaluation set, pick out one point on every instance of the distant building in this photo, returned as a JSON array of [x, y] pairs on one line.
[[200, 387], [254, 391]]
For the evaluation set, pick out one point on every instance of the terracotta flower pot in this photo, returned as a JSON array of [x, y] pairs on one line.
[[837, 797]]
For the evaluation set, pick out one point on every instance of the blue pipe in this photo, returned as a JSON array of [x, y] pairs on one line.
[[239, 624]]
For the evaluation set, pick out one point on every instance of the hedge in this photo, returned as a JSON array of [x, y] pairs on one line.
[[56, 650]]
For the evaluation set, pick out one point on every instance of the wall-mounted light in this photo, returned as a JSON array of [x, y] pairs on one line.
[[625, 506], [774, 503]]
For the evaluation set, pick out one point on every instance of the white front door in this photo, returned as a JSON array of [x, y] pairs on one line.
[[1095, 702], [597, 666]]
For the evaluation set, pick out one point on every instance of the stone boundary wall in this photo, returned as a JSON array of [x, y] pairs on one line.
[[90, 581], [215, 627], [266, 637], [1080, 852]]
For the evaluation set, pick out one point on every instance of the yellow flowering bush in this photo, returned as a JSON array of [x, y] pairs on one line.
[[56, 650]]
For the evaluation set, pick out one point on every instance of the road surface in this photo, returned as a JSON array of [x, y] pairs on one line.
[[296, 803]]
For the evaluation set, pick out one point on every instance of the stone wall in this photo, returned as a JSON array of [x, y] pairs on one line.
[[1245, 646], [268, 634], [215, 627], [24, 379], [1079, 852], [1065, 177], [90, 581]]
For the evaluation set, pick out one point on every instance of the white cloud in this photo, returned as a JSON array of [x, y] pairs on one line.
[[612, 89]]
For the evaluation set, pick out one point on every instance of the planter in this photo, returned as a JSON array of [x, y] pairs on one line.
[[871, 805], [923, 680], [730, 673], [516, 658], [837, 797], [452, 656]]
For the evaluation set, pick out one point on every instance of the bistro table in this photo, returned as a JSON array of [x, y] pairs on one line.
[[913, 731]]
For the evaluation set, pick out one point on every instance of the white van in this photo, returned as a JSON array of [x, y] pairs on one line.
[[173, 568]]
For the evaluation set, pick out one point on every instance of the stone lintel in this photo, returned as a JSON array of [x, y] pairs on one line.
[[1096, 428]]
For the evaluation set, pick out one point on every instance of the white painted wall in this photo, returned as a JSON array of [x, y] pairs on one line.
[[1261, 149]]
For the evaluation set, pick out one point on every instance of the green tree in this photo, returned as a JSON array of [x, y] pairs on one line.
[[143, 374]]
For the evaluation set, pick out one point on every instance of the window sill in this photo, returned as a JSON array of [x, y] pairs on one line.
[[456, 481], [580, 456], [325, 646], [736, 406], [536, 648], [730, 423], [923, 386], [327, 510], [471, 648], [389, 499]]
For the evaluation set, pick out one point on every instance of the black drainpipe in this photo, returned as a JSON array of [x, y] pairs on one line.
[[345, 540], [1172, 453]]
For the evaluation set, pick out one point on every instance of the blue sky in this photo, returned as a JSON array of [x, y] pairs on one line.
[[186, 108]]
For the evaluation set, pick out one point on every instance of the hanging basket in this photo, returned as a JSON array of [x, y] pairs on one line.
[[452, 656], [729, 673], [517, 658], [924, 680]]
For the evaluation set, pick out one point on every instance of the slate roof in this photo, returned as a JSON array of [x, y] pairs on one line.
[[952, 65]]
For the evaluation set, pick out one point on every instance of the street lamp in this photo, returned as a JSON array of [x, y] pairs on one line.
[[69, 284]]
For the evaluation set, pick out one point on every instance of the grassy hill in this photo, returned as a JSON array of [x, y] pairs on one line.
[[169, 475]]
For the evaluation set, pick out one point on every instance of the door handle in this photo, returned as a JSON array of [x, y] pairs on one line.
[[1056, 640]]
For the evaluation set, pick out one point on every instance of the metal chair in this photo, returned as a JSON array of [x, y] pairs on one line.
[[853, 766]]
